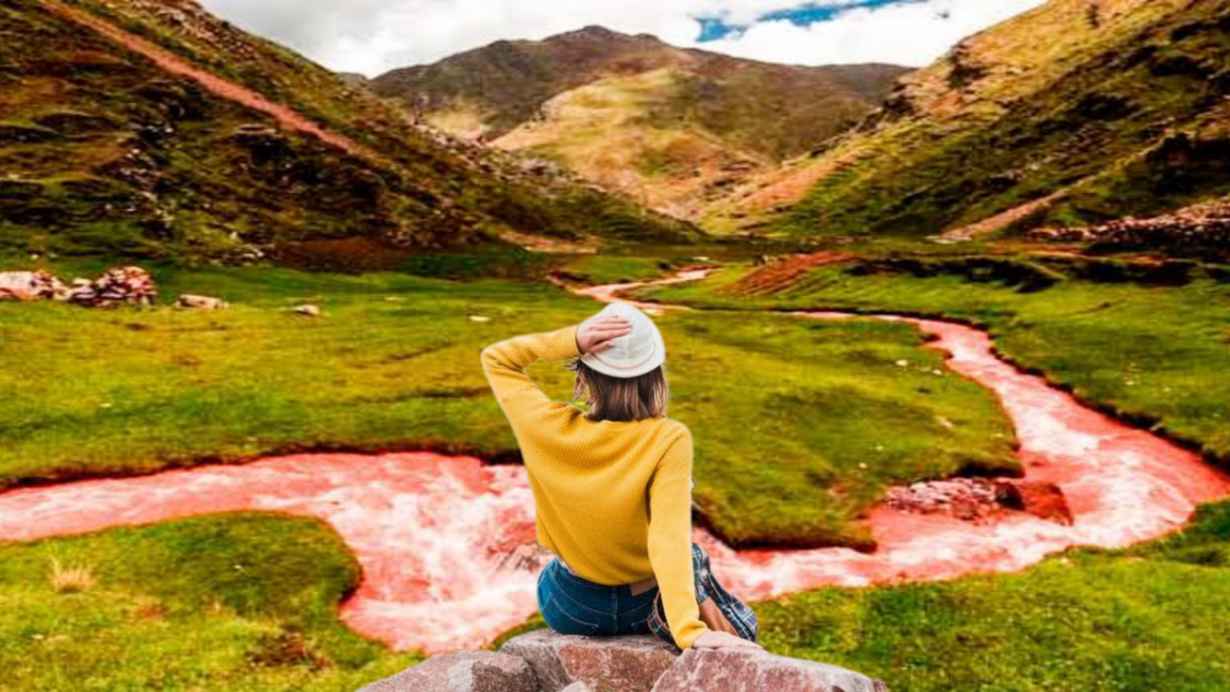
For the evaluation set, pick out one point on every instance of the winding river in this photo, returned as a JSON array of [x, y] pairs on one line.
[[446, 542]]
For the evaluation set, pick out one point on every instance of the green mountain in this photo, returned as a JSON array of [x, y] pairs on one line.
[[672, 127], [153, 129], [1073, 113]]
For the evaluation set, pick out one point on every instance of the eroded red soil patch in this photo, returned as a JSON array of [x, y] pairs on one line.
[[777, 276]]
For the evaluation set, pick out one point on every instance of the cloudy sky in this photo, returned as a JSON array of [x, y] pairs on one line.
[[372, 36]]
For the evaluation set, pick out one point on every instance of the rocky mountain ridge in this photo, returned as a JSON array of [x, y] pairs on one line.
[[156, 130], [1076, 112], [671, 127]]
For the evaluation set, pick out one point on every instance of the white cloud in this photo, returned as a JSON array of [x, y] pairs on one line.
[[372, 36], [911, 34]]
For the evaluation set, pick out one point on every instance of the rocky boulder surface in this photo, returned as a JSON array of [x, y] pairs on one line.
[[543, 661], [611, 663], [1043, 500], [470, 671], [734, 670]]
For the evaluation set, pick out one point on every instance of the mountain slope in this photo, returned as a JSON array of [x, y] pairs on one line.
[[1075, 112], [670, 126], [153, 129]]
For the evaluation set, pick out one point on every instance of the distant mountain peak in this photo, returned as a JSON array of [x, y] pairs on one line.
[[597, 32], [671, 127]]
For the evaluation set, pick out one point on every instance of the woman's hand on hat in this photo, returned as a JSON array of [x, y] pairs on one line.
[[596, 336]]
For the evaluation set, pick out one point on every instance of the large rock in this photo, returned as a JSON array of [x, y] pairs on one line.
[[605, 664], [1043, 500], [31, 286], [470, 671], [735, 670]]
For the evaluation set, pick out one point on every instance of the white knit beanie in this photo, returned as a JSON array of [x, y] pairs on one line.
[[633, 354]]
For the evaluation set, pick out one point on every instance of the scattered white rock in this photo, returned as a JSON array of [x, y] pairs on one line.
[[195, 302]]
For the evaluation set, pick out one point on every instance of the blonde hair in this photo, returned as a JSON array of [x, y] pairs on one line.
[[619, 398]]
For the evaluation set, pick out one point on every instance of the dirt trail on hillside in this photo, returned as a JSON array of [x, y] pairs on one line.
[[169, 62], [1002, 220], [447, 543]]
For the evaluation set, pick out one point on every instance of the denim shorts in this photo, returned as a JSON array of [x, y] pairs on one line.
[[573, 605]]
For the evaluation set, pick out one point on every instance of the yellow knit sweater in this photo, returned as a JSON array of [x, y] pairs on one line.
[[613, 498]]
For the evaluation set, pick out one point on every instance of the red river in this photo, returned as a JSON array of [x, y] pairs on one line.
[[446, 543]]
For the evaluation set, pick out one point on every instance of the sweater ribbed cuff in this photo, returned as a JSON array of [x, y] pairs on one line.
[[561, 344]]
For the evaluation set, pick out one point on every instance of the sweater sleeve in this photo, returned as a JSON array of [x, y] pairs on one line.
[[504, 363], [670, 540]]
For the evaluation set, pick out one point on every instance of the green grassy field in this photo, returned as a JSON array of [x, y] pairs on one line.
[[609, 269], [230, 601], [393, 363], [1149, 618], [1154, 353]]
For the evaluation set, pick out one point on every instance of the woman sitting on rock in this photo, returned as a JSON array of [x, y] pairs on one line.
[[613, 487]]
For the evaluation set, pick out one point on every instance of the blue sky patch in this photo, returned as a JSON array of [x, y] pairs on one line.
[[715, 28]]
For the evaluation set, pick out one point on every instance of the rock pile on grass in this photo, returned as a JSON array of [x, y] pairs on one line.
[[1197, 230], [117, 286], [544, 661]]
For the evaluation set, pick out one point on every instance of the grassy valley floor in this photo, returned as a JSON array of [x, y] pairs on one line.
[[230, 601], [1148, 618], [257, 593], [393, 363], [1153, 346]]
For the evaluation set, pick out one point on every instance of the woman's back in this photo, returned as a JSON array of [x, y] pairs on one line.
[[591, 484], [598, 484]]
